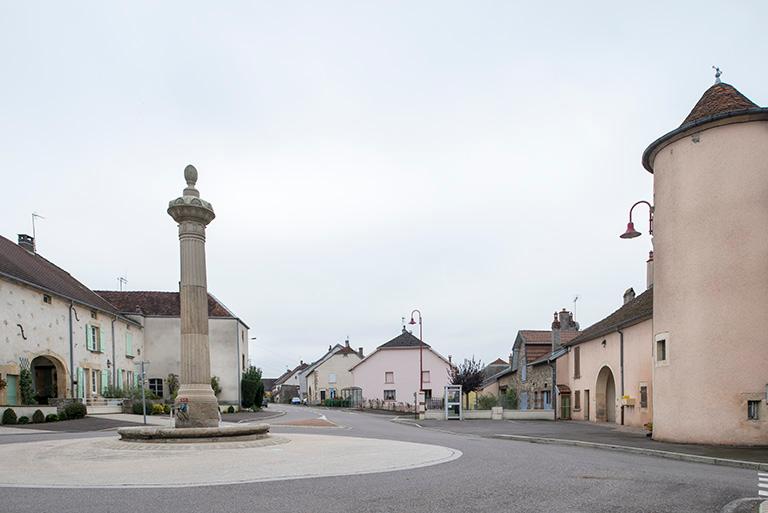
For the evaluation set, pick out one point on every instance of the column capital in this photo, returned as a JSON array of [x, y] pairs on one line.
[[190, 207]]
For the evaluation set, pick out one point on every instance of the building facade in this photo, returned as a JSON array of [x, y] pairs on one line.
[[75, 343], [327, 377], [159, 314], [710, 183]]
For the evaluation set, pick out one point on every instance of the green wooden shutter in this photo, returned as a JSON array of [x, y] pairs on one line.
[[88, 337], [102, 341], [104, 380], [129, 344], [81, 382]]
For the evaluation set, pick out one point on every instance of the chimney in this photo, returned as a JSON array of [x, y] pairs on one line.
[[301, 362], [346, 342], [27, 242], [360, 352], [649, 270], [449, 358], [510, 359], [556, 326], [629, 295]]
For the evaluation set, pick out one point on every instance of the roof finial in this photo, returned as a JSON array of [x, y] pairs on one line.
[[717, 74]]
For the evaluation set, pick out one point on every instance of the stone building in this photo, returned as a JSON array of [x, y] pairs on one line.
[[288, 385], [710, 357], [159, 314], [75, 343]]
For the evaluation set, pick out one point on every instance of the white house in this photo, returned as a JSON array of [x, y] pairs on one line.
[[328, 376], [75, 343], [159, 314], [391, 373]]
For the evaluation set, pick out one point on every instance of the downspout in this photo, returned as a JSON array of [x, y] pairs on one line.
[[71, 354], [553, 400], [621, 371], [114, 356], [239, 369]]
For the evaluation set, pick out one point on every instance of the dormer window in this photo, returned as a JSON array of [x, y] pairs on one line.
[[94, 314], [47, 299]]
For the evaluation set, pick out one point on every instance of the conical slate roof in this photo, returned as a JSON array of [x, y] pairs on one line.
[[718, 99]]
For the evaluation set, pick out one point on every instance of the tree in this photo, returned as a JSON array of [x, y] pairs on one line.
[[173, 385], [215, 385], [468, 374], [25, 387], [252, 388]]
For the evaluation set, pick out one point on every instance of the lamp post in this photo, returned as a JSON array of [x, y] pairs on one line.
[[631, 233], [421, 348]]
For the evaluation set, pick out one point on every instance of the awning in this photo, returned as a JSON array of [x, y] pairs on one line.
[[563, 389]]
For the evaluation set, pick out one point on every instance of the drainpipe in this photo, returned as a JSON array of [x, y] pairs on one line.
[[553, 396], [114, 359], [237, 340], [621, 372], [72, 372]]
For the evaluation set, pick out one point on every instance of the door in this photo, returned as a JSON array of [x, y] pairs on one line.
[[322, 395], [11, 389], [565, 406], [586, 404]]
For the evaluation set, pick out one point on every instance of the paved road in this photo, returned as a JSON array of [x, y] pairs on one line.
[[492, 475]]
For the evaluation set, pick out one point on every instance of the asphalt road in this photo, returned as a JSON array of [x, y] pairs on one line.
[[492, 475]]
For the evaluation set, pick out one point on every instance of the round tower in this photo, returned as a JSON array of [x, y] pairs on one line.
[[710, 348]]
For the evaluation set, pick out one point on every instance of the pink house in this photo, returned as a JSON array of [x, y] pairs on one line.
[[391, 373]]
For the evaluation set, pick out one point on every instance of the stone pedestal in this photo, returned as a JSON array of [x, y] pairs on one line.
[[196, 403]]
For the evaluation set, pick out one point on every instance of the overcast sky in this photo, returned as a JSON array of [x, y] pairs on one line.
[[475, 160]]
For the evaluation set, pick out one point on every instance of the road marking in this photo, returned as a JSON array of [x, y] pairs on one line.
[[762, 484]]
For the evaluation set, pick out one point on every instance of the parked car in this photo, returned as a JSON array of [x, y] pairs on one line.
[[295, 400]]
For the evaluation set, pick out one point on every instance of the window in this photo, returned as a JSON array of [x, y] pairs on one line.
[[94, 381], [243, 356], [129, 345], [577, 400], [156, 386], [47, 299], [130, 379], [546, 398], [586, 404], [389, 395], [425, 376], [661, 350], [389, 377], [644, 396], [94, 338], [753, 410], [332, 377], [94, 314], [577, 362]]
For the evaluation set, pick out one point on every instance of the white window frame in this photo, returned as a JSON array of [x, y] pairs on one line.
[[394, 395], [331, 377], [386, 375], [663, 336], [425, 376], [94, 381]]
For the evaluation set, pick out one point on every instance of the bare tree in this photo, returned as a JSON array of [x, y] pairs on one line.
[[468, 374]]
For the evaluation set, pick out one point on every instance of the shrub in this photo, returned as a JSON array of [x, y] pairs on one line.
[[336, 403], [38, 417], [138, 409], [252, 388], [158, 409], [486, 402], [9, 417], [23, 420], [51, 417], [62, 416], [172, 382], [25, 387], [113, 392], [215, 385], [166, 408], [75, 410], [231, 409]]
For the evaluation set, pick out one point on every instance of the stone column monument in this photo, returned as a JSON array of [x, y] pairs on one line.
[[196, 403]]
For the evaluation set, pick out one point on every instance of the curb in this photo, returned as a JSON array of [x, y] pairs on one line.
[[694, 458], [247, 421]]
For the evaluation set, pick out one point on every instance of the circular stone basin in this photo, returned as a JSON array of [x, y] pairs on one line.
[[112, 463], [237, 433]]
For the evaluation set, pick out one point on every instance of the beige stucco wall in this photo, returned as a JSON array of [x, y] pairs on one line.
[[163, 341], [637, 371], [46, 327], [711, 285], [338, 364]]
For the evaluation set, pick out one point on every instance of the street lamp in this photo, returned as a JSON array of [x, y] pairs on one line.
[[631, 233], [421, 349]]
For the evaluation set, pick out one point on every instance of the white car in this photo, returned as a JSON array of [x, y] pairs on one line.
[[295, 400]]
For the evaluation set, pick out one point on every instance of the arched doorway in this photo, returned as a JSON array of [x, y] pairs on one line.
[[48, 378], [605, 396]]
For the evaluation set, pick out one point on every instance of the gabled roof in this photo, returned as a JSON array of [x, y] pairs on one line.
[[165, 304], [718, 99], [550, 357], [404, 339], [337, 349], [498, 361], [545, 336], [32, 269], [289, 373], [634, 312]]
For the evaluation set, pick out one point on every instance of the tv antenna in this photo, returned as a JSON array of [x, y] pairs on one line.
[[121, 281], [34, 234]]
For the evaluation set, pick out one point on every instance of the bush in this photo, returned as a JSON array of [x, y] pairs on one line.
[[23, 420], [51, 417], [486, 402], [9, 417], [38, 417], [113, 392], [231, 409], [158, 409], [26, 389], [252, 388], [166, 408], [215, 385], [75, 410], [138, 409], [172, 382], [336, 403], [62, 416]]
